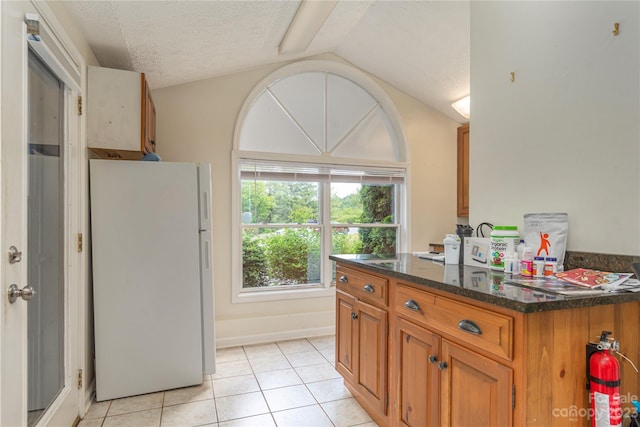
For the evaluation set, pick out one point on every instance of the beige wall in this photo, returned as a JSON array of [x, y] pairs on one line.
[[73, 31], [565, 135], [196, 121]]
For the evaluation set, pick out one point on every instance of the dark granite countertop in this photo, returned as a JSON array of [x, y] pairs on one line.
[[480, 284]]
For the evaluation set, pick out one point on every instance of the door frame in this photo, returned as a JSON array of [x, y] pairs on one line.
[[72, 401]]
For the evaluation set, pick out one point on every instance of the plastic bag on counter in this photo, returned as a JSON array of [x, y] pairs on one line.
[[546, 234]]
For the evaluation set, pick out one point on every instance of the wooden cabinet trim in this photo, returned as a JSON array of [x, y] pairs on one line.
[[463, 171]]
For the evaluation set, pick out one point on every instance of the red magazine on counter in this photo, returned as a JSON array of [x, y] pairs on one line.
[[592, 278]]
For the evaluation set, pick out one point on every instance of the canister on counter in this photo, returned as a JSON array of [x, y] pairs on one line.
[[550, 266], [538, 266], [504, 241]]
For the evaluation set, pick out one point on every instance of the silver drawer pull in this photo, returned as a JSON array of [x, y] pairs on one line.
[[343, 279], [369, 288], [470, 326], [412, 305]]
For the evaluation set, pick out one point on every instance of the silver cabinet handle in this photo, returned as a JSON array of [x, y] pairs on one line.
[[369, 288], [470, 326], [25, 293], [412, 305], [432, 358], [442, 365], [343, 279], [354, 316]]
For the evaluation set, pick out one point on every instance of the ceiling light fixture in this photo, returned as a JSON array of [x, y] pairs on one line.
[[463, 106], [310, 16]]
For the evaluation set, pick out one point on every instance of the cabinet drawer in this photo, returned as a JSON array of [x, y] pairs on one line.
[[366, 287], [485, 329]]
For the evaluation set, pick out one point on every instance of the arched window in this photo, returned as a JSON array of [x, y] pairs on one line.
[[319, 168]]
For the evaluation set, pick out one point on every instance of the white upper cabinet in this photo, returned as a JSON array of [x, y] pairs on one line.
[[120, 111]]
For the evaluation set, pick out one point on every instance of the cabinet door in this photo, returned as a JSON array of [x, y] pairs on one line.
[[417, 376], [475, 390], [463, 170], [345, 336], [371, 368]]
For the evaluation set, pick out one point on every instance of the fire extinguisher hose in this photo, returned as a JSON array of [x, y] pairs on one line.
[[628, 360]]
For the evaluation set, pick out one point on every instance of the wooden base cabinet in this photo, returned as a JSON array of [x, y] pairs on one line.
[[346, 345], [476, 391], [361, 344], [455, 361], [417, 394], [442, 384]]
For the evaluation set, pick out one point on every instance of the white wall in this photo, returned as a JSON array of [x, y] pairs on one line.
[[565, 135], [195, 122]]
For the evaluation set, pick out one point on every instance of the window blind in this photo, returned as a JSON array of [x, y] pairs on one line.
[[277, 171]]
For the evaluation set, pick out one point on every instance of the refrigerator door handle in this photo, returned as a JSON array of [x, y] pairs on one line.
[[205, 205]]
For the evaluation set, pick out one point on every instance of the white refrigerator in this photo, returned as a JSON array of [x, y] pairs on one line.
[[151, 244]]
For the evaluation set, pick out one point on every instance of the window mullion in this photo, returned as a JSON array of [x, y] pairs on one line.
[[325, 221]]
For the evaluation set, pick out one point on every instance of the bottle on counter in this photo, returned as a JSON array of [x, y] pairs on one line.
[[550, 266], [526, 264], [538, 266], [517, 257], [508, 265]]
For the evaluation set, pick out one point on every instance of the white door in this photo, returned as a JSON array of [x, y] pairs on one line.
[[39, 302]]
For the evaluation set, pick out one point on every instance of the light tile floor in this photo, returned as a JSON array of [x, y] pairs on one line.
[[286, 383]]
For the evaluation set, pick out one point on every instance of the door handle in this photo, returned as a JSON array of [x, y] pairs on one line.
[[369, 288], [354, 316], [343, 279], [25, 293], [412, 305], [433, 359], [470, 326]]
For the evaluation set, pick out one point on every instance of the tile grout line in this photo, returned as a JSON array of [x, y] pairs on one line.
[[254, 375]]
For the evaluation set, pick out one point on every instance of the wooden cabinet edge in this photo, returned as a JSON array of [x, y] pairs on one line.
[[463, 172]]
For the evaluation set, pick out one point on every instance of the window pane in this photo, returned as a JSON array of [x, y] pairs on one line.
[[363, 240], [283, 256], [362, 203], [279, 202]]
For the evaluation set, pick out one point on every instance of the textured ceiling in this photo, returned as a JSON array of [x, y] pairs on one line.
[[419, 47]]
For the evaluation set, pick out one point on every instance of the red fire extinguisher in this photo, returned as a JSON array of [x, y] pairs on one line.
[[603, 382]]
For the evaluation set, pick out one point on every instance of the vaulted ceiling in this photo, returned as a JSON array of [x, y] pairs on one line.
[[419, 47]]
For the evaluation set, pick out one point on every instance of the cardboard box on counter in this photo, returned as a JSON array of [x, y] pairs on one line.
[[476, 251]]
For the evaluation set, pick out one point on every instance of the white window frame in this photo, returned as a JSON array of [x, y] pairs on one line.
[[402, 208]]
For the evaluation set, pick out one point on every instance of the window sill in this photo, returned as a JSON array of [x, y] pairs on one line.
[[280, 295]]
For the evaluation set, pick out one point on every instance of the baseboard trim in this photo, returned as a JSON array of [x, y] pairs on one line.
[[89, 394], [274, 327], [274, 336]]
